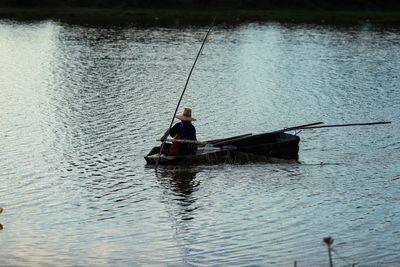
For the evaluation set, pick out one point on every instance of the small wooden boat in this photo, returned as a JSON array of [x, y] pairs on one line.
[[274, 146], [265, 147]]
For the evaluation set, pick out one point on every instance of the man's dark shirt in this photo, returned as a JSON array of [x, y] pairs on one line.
[[186, 130]]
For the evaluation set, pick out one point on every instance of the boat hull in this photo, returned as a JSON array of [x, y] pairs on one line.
[[276, 144], [269, 147]]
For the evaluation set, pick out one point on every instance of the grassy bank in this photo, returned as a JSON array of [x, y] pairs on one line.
[[173, 17]]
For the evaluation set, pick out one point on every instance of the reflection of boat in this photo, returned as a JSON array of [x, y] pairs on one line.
[[263, 147]]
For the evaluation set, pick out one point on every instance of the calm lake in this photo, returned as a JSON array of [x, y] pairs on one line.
[[81, 106]]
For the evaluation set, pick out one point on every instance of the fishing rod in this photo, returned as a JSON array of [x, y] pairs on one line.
[[183, 92]]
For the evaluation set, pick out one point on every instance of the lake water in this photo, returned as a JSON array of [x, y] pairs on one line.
[[81, 106]]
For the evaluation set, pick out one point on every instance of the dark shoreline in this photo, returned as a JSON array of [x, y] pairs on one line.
[[172, 17]]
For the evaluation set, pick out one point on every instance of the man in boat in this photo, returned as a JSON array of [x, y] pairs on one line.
[[182, 130]]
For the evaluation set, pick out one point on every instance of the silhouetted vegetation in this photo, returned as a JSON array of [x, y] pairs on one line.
[[212, 4], [178, 12]]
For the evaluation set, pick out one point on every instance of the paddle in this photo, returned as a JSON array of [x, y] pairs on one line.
[[226, 139], [184, 89]]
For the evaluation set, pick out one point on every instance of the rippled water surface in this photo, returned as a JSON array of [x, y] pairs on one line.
[[81, 106]]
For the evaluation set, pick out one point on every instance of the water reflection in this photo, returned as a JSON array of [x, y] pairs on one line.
[[179, 185]]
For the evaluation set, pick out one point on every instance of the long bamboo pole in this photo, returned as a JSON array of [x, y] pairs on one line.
[[184, 89], [344, 125], [184, 141], [309, 126], [299, 127]]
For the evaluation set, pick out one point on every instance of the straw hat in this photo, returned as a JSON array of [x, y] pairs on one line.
[[186, 115]]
